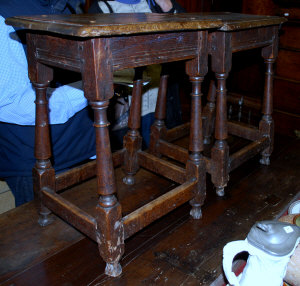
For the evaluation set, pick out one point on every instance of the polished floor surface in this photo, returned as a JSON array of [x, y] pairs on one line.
[[175, 250]]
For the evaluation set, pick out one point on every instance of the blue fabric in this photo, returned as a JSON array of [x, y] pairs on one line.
[[72, 132], [136, 2], [17, 94], [22, 189], [72, 143], [146, 122], [9, 8], [151, 3], [129, 1]]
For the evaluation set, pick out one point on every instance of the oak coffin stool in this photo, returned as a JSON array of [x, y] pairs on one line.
[[96, 46]]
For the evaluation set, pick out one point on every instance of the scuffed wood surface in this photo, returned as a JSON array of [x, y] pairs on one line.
[[235, 21], [94, 25]]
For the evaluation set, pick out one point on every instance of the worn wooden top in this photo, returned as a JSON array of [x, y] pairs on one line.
[[93, 25], [235, 21]]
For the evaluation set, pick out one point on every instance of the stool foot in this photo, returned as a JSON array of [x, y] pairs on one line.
[[196, 212], [220, 191], [45, 219], [265, 160], [113, 269], [129, 180]]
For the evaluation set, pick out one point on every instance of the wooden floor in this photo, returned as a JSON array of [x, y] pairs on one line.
[[175, 250]]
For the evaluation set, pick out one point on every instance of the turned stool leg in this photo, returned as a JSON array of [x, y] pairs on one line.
[[266, 125], [133, 140], [209, 113], [110, 230], [43, 173], [220, 150], [196, 69], [196, 164], [158, 129], [221, 58]]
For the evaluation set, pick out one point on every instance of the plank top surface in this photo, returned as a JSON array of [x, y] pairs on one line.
[[236, 21], [95, 25]]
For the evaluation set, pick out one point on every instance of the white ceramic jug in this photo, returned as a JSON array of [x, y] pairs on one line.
[[270, 245]]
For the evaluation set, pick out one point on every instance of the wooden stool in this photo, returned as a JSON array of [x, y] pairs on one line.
[[96, 46], [239, 32], [229, 39]]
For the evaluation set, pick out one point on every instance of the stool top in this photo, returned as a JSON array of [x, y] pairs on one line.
[[235, 21], [95, 25]]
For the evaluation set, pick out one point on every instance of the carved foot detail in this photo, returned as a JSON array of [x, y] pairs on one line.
[[220, 191], [265, 160], [129, 180], [113, 269], [45, 219], [196, 212]]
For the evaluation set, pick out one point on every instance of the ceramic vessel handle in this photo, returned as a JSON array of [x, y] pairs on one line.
[[230, 250]]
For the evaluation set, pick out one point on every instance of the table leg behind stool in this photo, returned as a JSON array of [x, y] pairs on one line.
[[110, 230], [158, 129], [132, 140], [209, 113], [220, 150], [266, 125]]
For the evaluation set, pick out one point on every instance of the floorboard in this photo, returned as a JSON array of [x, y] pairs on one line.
[[175, 250]]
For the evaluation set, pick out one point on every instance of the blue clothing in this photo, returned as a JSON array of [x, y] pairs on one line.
[[22, 189], [71, 129], [9, 8], [72, 143], [17, 94], [129, 1], [136, 2]]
